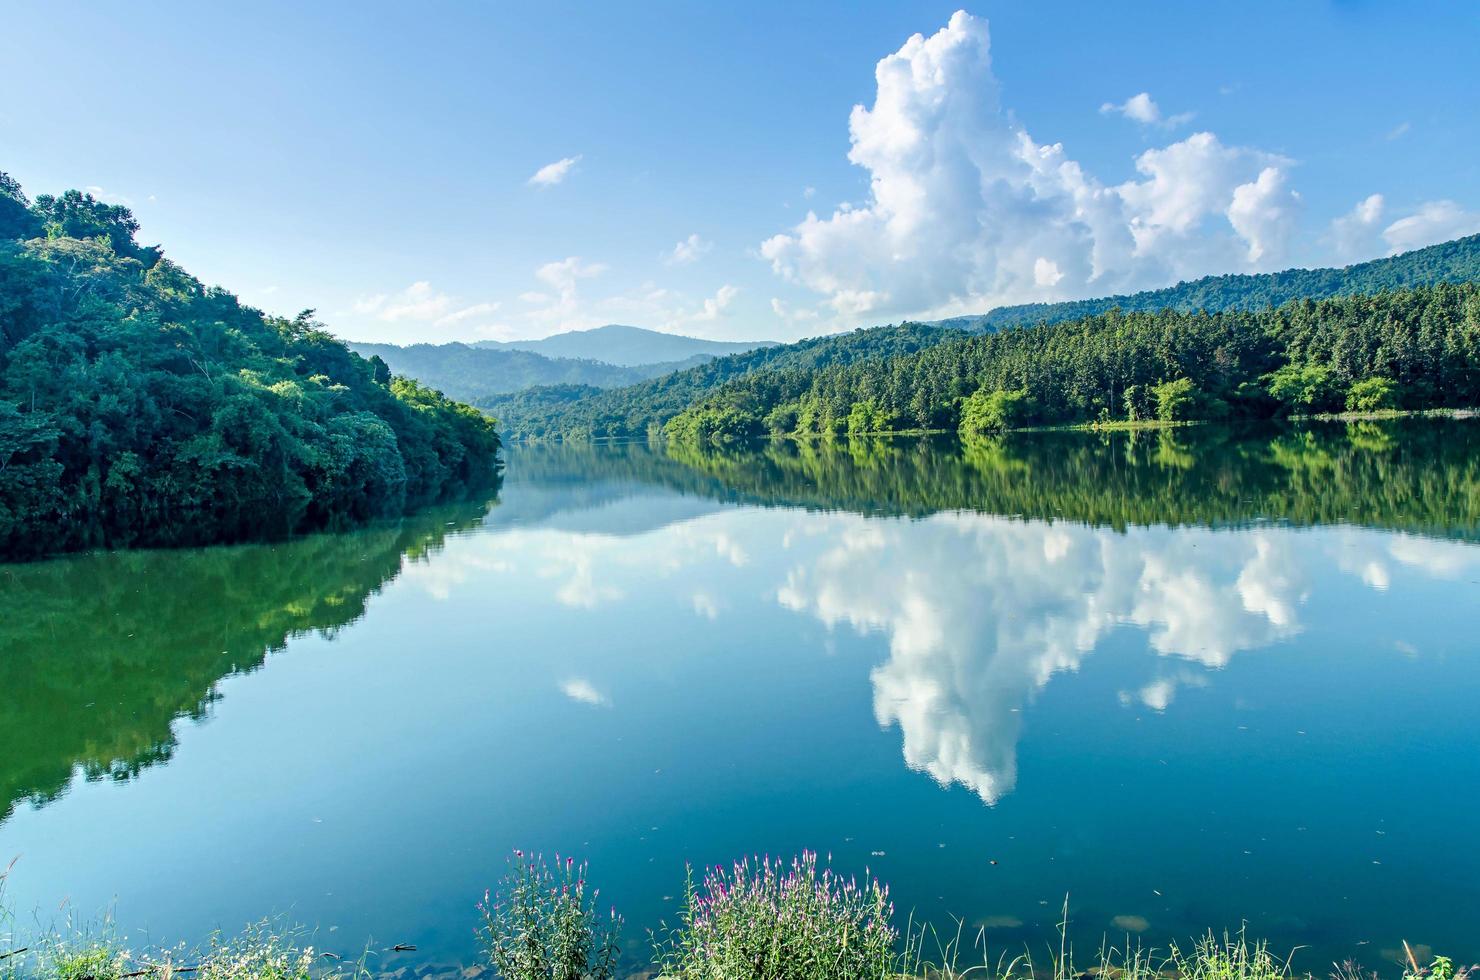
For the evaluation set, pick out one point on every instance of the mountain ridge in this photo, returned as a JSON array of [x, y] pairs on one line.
[[1459, 259], [625, 346], [468, 372]]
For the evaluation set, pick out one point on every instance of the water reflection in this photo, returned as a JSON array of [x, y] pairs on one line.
[[982, 612], [101, 654]]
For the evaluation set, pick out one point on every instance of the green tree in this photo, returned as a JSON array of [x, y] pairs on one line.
[[138, 406], [1176, 400], [995, 411], [1304, 388], [1372, 395]]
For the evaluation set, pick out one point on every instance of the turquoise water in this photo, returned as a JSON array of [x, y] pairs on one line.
[[1188, 681]]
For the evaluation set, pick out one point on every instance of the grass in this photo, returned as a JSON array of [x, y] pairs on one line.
[[759, 919], [262, 951]]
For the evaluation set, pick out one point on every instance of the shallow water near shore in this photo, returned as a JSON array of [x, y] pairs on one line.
[[1189, 679]]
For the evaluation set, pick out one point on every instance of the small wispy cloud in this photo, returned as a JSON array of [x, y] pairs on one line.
[[582, 690], [706, 605], [715, 306], [1399, 130], [1142, 108], [108, 197], [553, 173], [419, 303], [468, 312], [688, 251]]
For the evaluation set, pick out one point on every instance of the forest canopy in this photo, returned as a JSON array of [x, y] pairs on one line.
[[1415, 349], [139, 406]]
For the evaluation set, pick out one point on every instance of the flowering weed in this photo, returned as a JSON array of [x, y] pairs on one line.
[[768, 920], [542, 924]]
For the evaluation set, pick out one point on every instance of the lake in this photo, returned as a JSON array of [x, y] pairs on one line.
[[1188, 679]]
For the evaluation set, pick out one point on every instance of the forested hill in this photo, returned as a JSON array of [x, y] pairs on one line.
[[576, 411], [1409, 349], [1456, 261], [470, 371], [138, 406]]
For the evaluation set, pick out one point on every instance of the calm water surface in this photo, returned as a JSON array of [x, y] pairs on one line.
[[1189, 680]]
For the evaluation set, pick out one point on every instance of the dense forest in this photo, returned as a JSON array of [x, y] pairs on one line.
[[642, 409], [1417, 348], [139, 406], [1456, 261], [469, 372]]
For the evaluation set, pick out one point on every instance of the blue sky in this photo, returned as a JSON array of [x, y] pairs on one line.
[[374, 161]]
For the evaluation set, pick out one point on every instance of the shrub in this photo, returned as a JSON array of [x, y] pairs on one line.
[[712, 424], [866, 417], [782, 419], [1372, 395], [770, 921], [1175, 400], [1137, 399], [260, 953], [1304, 389], [542, 925], [993, 411]]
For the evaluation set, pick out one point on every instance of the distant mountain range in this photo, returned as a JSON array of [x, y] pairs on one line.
[[606, 357], [469, 373], [626, 346]]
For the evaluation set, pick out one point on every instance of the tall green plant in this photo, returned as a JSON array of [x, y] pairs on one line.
[[543, 925]]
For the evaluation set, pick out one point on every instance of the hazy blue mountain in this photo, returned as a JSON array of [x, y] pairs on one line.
[[468, 372], [1456, 261], [626, 346]]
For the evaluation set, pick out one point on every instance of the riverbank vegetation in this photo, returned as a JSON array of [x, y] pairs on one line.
[[759, 919], [140, 406]]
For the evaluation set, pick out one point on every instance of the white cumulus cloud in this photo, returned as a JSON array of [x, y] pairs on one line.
[[1433, 222], [1354, 234], [1361, 234], [966, 210]]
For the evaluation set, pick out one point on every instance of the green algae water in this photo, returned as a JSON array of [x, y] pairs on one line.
[[1189, 679]]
